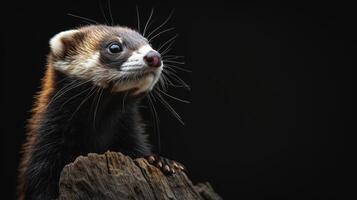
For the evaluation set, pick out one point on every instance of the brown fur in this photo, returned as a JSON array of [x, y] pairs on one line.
[[38, 108], [77, 48]]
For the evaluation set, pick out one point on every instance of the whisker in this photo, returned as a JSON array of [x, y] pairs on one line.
[[166, 81], [123, 104], [167, 49], [162, 82], [102, 11], [147, 22], [63, 79], [71, 84], [94, 100], [170, 69], [96, 109], [177, 79], [161, 32], [179, 86], [74, 97], [138, 17], [156, 121], [173, 57], [90, 93], [176, 67], [110, 13], [162, 24], [167, 105], [173, 61], [83, 18], [65, 89], [178, 99], [167, 42], [170, 83]]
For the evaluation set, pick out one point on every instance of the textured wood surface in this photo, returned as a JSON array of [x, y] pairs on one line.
[[115, 176]]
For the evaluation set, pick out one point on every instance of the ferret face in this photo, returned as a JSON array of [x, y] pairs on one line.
[[108, 56]]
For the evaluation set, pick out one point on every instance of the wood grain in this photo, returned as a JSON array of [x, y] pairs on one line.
[[113, 175]]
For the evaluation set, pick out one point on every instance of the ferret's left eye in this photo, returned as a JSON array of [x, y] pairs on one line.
[[115, 48]]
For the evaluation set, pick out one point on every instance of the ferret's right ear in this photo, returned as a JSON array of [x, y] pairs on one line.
[[59, 41]]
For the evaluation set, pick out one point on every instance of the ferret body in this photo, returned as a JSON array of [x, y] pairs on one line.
[[95, 78]]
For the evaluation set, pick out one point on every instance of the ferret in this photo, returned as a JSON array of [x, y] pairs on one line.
[[95, 77]]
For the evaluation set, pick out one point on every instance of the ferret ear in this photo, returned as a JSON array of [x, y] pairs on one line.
[[58, 42]]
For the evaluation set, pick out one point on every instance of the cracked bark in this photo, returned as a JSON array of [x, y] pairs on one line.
[[114, 176]]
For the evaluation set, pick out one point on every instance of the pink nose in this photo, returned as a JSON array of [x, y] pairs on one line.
[[152, 59]]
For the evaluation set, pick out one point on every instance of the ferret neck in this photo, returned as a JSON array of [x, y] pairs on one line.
[[82, 103]]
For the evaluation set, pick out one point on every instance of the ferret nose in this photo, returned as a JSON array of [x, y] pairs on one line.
[[153, 59]]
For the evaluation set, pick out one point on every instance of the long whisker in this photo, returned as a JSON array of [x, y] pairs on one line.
[[92, 107], [176, 67], [65, 89], [170, 83], [178, 99], [138, 17], [147, 22], [74, 97], [173, 57], [71, 84], [167, 105], [175, 62], [167, 42], [167, 49], [156, 120], [123, 105], [161, 32], [63, 79], [83, 18], [110, 13], [163, 81], [162, 24], [90, 93], [102, 11], [177, 79], [167, 68], [96, 108]]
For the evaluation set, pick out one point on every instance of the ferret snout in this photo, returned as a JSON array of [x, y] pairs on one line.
[[153, 59]]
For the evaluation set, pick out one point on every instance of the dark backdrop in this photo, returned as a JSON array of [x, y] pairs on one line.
[[269, 86]]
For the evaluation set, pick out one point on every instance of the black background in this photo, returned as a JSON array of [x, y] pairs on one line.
[[269, 98]]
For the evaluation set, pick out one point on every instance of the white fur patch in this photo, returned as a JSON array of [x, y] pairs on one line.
[[88, 67], [136, 62], [137, 58], [56, 41], [142, 85]]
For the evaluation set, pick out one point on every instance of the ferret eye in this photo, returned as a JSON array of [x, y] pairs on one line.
[[115, 48]]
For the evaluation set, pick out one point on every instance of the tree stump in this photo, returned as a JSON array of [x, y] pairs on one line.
[[115, 176]]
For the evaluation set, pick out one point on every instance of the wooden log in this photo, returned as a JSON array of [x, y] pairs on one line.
[[113, 175]]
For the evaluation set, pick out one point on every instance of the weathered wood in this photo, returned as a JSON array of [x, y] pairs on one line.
[[115, 176]]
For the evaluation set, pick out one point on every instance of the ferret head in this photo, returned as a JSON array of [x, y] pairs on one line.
[[115, 57]]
